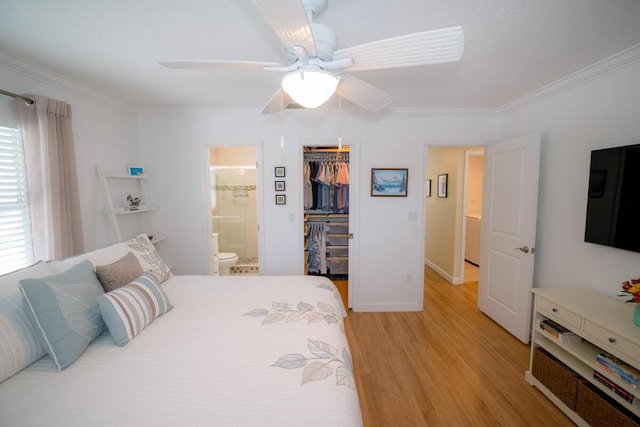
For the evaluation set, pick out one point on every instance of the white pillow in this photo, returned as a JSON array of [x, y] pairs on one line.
[[140, 246], [19, 346]]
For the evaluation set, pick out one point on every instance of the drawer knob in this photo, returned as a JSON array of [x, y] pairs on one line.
[[555, 310], [612, 340]]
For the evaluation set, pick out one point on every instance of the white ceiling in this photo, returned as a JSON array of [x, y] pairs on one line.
[[512, 47]]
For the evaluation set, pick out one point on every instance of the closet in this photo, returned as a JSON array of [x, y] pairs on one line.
[[326, 211]]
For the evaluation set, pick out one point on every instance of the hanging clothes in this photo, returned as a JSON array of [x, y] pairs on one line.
[[317, 248], [326, 186]]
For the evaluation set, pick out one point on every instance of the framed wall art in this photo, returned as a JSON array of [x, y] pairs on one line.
[[389, 182], [279, 171], [442, 185], [427, 190], [281, 199], [280, 185]]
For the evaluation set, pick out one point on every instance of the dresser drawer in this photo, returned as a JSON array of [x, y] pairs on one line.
[[559, 313], [612, 340]]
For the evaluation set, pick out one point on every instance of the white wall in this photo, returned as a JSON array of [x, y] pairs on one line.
[[388, 232], [602, 112], [103, 130], [574, 118]]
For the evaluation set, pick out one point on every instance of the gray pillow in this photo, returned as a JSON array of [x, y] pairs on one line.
[[119, 273]]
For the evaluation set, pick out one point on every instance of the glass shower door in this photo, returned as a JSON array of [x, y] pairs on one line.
[[234, 214]]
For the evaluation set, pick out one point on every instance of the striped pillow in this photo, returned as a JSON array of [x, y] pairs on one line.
[[129, 309]]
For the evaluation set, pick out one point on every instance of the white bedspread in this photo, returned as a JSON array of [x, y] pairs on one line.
[[234, 351]]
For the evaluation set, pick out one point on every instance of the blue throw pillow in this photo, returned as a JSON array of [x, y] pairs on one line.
[[64, 311]]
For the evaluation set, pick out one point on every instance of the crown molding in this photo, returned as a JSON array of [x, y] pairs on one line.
[[38, 73], [601, 68], [606, 66]]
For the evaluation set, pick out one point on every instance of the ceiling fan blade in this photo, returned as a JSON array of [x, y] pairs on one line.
[[288, 19], [429, 47], [363, 94], [279, 101], [233, 65]]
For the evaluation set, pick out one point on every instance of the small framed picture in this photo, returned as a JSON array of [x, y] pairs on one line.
[[428, 188], [386, 182], [280, 185], [136, 171], [280, 171], [281, 199], [442, 185]]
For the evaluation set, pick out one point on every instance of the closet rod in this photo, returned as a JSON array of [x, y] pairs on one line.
[[26, 99], [325, 157], [325, 215]]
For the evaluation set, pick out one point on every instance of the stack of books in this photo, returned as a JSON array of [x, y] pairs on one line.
[[613, 386], [559, 332], [620, 370]]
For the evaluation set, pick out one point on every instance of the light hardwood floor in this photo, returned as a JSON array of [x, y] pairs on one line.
[[449, 365]]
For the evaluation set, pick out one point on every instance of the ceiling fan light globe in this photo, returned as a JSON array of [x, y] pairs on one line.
[[309, 88]]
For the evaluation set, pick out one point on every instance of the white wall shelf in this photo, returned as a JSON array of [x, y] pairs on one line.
[[140, 186]]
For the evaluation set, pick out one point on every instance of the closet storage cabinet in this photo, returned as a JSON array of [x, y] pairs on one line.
[[563, 365], [326, 207]]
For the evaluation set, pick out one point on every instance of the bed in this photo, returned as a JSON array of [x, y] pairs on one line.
[[229, 351]]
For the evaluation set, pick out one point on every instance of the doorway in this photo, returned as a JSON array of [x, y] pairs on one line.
[[233, 205], [329, 188], [453, 217]]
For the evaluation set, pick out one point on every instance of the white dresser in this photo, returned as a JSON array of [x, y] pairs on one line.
[[604, 325]]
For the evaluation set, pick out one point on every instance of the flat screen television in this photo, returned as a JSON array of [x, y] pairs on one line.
[[613, 206]]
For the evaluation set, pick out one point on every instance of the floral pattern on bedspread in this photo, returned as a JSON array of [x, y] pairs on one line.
[[320, 364], [331, 288], [287, 312]]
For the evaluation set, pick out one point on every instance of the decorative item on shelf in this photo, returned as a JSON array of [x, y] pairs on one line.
[[136, 171], [632, 287], [134, 203]]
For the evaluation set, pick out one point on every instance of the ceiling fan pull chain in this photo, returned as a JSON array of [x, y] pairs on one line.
[[339, 117], [281, 119]]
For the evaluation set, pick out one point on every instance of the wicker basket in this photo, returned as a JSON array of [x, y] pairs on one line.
[[556, 376], [600, 410]]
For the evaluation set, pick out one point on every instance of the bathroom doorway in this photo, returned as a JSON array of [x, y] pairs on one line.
[[234, 204]]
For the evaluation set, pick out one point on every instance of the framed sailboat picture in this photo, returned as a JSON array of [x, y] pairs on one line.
[[387, 182]]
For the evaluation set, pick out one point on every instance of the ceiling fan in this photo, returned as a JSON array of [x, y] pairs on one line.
[[318, 68]]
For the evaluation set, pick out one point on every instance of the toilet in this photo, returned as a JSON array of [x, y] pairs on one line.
[[222, 261], [226, 260]]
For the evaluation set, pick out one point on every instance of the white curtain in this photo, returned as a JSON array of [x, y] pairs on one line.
[[51, 177]]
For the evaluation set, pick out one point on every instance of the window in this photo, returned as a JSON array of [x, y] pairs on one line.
[[16, 249]]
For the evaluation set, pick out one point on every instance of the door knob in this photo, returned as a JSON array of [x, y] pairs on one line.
[[524, 249]]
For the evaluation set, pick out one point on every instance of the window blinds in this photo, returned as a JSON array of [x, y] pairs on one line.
[[16, 250]]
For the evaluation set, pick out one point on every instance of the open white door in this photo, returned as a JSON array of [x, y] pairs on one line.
[[510, 199]]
